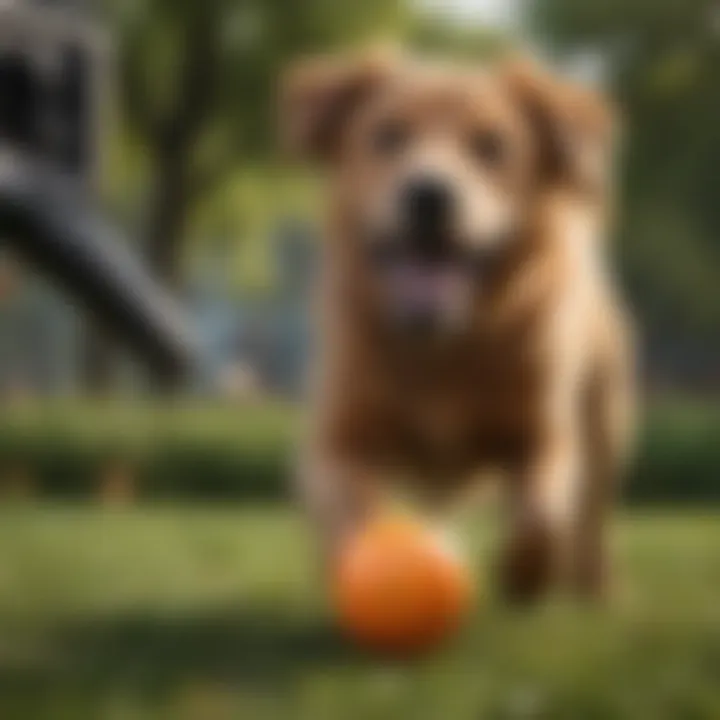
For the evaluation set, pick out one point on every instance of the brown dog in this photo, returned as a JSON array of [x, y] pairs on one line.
[[469, 320]]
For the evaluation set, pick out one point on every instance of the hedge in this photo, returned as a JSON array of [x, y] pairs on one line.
[[172, 451], [677, 458], [222, 453]]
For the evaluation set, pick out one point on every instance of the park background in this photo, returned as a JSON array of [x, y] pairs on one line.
[[149, 564]]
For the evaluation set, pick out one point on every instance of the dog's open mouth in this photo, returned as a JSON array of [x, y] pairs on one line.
[[428, 295], [432, 282]]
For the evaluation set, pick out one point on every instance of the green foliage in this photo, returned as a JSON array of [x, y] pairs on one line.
[[237, 51], [434, 35], [243, 213], [219, 453]]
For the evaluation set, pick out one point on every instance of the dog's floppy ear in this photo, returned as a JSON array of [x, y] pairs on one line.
[[319, 95], [575, 125]]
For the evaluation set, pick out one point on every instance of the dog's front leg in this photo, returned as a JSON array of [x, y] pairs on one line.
[[541, 506]]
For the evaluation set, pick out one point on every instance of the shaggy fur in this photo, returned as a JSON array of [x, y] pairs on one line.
[[535, 381]]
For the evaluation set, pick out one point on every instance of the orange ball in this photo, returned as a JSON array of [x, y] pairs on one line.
[[399, 588]]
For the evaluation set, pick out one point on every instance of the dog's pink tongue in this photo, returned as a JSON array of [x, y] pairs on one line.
[[421, 286]]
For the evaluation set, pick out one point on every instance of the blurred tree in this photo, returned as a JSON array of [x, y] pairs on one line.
[[198, 78]]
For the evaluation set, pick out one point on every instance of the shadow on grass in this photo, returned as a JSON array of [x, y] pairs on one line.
[[147, 654]]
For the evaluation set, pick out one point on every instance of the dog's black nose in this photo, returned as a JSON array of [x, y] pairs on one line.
[[427, 205]]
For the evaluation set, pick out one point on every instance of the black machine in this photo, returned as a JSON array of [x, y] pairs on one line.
[[53, 74]]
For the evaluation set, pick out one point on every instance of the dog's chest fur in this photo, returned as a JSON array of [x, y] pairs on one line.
[[444, 416], [483, 409]]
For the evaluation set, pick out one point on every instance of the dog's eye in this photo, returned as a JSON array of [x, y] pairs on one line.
[[489, 147], [390, 138]]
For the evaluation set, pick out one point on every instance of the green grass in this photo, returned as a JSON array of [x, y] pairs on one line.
[[168, 612]]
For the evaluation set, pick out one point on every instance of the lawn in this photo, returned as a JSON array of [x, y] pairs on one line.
[[207, 614]]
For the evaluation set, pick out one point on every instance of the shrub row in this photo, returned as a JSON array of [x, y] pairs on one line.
[[224, 453], [677, 458], [171, 451]]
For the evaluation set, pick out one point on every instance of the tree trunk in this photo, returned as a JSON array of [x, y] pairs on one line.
[[164, 234], [166, 222], [176, 137]]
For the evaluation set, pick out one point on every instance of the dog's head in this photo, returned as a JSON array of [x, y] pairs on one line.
[[437, 168]]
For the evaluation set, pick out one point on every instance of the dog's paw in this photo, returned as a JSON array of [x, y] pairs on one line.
[[528, 565]]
